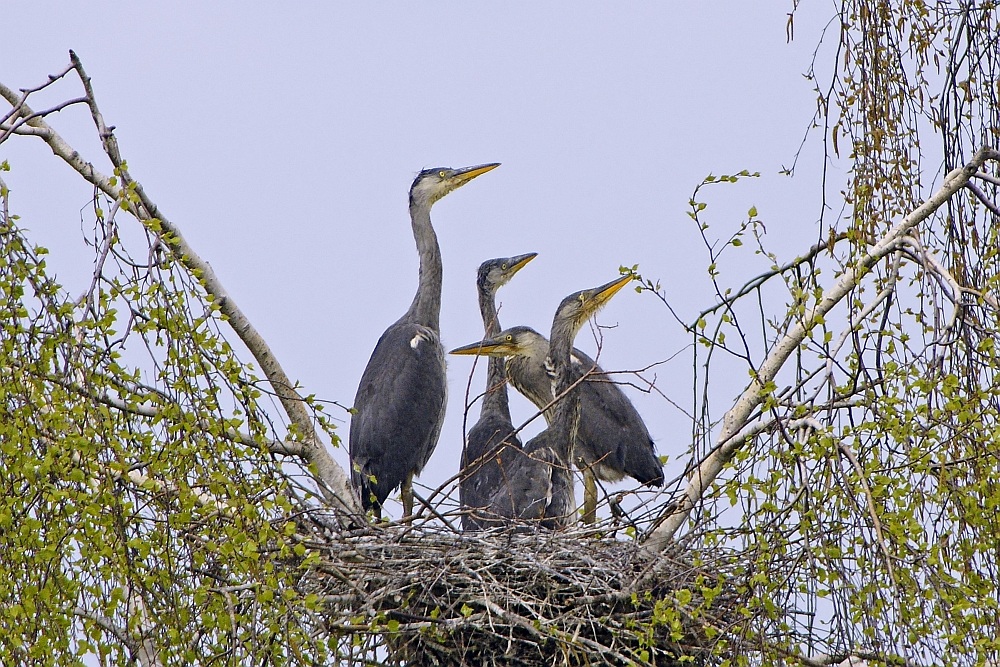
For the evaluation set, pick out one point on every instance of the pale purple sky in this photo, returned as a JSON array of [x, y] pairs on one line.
[[282, 142]]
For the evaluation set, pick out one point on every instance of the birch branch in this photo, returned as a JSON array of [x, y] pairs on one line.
[[141, 651], [872, 511], [334, 481], [736, 418]]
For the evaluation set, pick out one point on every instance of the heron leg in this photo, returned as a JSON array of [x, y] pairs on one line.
[[589, 496], [406, 491]]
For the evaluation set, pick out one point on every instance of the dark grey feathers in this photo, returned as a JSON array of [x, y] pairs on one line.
[[400, 408]]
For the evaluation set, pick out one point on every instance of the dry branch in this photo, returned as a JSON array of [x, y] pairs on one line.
[[429, 596]]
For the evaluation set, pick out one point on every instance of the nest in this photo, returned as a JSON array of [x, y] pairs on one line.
[[426, 596]]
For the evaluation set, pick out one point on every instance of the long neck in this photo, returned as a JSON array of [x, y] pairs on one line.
[[566, 421], [426, 306], [496, 388]]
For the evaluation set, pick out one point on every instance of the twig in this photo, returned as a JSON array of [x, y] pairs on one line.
[[883, 545], [981, 196], [989, 178], [334, 481], [736, 418]]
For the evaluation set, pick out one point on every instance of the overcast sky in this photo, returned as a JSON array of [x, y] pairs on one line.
[[283, 140]]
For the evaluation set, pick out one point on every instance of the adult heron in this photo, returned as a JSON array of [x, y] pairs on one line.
[[612, 441], [540, 482], [400, 404], [491, 444]]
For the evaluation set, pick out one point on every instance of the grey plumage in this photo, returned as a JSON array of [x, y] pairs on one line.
[[530, 493], [491, 445], [529, 484], [400, 408], [612, 439], [400, 404]]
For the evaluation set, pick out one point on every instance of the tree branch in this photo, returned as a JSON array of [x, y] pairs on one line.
[[334, 481], [981, 196], [736, 418]]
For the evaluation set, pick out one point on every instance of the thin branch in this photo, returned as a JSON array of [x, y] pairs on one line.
[[989, 178], [52, 78], [334, 481], [981, 196], [883, 545], [759, 280], [932, 265], [105, 624], [855, 321], [15, 127], [736, 418]]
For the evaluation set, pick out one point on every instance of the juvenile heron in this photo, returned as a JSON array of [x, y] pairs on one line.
[[400, 404], [491, 444], [612, 441], [540, 483]]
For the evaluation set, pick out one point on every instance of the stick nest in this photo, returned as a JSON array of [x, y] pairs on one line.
[[426, 596]]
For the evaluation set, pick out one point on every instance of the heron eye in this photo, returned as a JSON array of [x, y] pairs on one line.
[[503, 267], [441, 173], [509, 338]]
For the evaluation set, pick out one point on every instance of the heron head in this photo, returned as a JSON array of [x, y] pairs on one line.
[[432, 184], [580, 306], [494, 273], [513, 342]]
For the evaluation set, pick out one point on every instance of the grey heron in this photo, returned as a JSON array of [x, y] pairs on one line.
[[400, 404], [491, 443], [539, 482], [612, 440]]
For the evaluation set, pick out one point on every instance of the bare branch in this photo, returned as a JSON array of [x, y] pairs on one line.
[[52, 78], [16, 127], [981, 196], [989, 178]]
